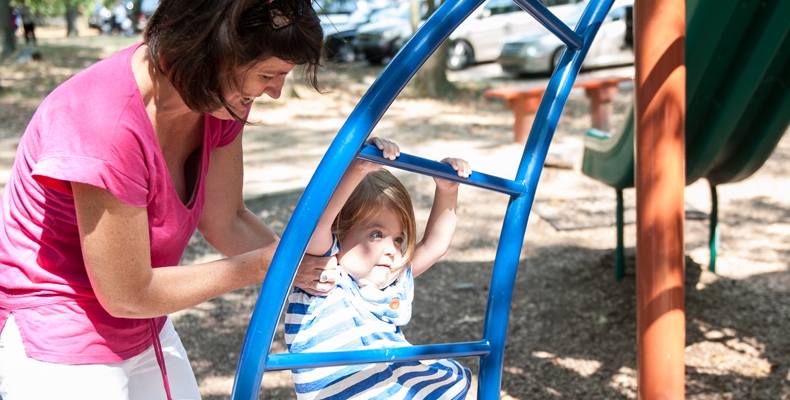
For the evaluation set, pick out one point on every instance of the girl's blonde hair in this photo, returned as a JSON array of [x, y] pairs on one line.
[[379, 189]]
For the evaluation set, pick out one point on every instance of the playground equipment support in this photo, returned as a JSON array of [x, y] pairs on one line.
[[660, 79]]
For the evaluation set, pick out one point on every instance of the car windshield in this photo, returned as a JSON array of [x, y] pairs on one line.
[[386, 13], [335, 6]]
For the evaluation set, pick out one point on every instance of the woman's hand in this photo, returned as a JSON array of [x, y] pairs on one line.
[[460, 166], [316, 275]]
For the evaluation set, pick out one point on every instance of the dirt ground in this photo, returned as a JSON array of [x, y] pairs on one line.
[[571, 328]]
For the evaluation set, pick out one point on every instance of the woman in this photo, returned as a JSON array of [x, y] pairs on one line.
[[117, 168]]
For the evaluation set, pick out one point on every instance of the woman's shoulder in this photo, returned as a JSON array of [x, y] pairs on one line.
[[107, 83], [103, 91]]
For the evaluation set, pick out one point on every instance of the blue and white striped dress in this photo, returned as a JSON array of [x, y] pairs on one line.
[[351, 317]]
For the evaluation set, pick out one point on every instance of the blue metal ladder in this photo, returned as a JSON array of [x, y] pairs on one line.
[[254, 358]]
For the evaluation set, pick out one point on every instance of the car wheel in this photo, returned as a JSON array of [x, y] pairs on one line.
[[459, 55], [345, 53], [555, 58]]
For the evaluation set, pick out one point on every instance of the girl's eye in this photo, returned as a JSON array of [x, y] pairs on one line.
[[399, 240], [376, 235]]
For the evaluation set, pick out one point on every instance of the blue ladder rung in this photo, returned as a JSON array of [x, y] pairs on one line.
[[288, 361], [437, 169], [546, 18]]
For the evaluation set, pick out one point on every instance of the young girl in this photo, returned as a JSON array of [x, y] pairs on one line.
[[369, 225]]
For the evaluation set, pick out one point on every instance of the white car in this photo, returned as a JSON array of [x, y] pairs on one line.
[[539, 52], [481, 36]]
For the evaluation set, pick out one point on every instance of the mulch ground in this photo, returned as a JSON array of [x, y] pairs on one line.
[[571, 327]]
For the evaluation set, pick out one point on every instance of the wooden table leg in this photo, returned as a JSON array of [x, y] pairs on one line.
[[601, 104], [524, 109]]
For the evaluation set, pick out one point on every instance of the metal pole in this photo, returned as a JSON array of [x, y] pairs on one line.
[[659, 32]]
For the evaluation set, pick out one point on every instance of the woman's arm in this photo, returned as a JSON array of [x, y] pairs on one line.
[[232, 229], [117, 255], [226, 223], [321, 240], [440, 228]]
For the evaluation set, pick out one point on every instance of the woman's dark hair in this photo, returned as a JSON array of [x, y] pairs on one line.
[[199, 44]]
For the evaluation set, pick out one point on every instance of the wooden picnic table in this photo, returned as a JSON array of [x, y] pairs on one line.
[[524, 101]]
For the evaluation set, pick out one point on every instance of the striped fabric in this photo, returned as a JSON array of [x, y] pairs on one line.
[[353, 318]]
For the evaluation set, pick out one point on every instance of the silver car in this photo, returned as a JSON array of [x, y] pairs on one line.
[[481, 36], [539, 51]]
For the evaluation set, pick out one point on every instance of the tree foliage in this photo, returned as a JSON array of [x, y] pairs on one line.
[[69, 9], [54, 8]]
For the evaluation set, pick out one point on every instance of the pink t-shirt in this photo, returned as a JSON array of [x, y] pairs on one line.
[[92, 129]]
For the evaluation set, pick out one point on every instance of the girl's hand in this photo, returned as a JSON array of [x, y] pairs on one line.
[[460, 166], [316, 275], [389, 150]]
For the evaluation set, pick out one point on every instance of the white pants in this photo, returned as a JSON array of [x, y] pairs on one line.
[[138, 378]]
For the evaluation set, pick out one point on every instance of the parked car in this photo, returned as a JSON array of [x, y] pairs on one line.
[[481, 36], [145, 9], [101, 18], [539, 52], [113, 21], [385, 36], [340, 28]]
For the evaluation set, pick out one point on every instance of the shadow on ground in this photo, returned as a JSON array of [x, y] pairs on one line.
[[571, 328]]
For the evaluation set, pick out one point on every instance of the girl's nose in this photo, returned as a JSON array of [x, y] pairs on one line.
[[392, 249]]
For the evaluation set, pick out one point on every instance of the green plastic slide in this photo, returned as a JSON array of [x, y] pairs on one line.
[[737, 102]]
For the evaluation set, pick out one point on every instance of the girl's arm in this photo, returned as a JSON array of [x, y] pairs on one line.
[[441, 223], [321, 240]]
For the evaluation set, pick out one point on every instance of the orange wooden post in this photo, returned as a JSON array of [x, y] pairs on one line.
[[659, 33]]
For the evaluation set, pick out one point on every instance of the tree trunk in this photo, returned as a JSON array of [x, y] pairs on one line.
[[414, 14], [7, 42], [431, 78], [72, 12]]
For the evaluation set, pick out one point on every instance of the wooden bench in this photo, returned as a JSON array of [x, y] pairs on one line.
[[523, 101]]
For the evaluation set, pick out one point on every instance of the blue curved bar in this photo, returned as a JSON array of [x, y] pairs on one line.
[[274, 292], [254, 354], [536, 9], [517, 214]]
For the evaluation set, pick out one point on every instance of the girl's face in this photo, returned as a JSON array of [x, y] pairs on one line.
[[264, 77], [370, 250]]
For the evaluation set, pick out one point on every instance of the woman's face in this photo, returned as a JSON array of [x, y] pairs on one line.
[[264, 77], [370, 250]]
